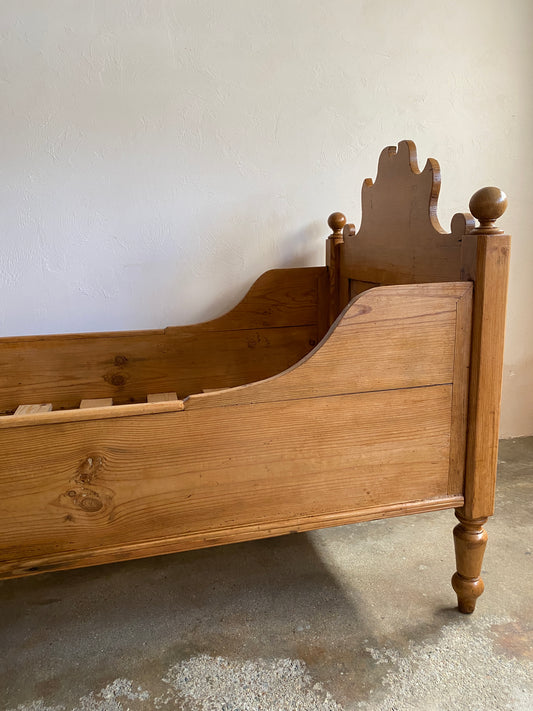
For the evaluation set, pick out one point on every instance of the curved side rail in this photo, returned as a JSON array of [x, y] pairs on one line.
[[387, 338], [273, 326]]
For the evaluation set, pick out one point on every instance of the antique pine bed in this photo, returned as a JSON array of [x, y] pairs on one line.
[[363, 389]]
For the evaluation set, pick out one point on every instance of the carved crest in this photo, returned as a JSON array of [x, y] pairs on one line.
[[400, 239]]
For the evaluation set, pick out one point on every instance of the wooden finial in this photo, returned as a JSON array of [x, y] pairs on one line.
[[349, 230], [487, 205], [336, 222]]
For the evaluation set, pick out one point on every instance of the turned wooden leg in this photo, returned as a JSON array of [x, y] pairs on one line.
[[470, 539]]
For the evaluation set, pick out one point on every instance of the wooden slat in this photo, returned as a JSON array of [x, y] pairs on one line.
[[96, 402], [390, 337], [32, 409], [161, 397], [106, 483], [272, 328]]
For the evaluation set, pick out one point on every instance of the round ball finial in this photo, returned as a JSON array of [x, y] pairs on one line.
[[336, 222], [487, 205]]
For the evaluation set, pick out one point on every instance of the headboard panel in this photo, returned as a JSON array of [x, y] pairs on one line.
[[400, 240]]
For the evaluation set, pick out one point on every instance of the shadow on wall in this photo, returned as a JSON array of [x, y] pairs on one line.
[[517, 410]]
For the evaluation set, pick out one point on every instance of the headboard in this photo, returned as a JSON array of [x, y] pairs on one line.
[[400, 240]]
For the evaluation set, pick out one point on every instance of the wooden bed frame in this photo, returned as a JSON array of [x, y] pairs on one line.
[[364, 389]]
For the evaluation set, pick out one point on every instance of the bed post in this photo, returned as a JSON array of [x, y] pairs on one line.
[[490, 294], [336, 222]]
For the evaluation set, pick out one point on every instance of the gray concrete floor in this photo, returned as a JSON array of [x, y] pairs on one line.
[[356, 617]]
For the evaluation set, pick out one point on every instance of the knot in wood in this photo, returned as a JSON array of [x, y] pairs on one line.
[[90, 504]]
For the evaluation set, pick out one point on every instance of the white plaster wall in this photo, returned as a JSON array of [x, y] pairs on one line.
[[158, 155]]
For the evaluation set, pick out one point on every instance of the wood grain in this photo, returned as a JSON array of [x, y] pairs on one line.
[[107, 482]]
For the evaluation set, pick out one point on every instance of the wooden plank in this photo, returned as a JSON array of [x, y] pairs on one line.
[[35, 563], [390, 337], [161, 397], [95, 413], [274, 326], [108, 483], [32, 409], [125, 368], [96, 402]]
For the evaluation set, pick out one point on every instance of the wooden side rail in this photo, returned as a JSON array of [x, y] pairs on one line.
[[282, 318], [123, 481], [90, 409]]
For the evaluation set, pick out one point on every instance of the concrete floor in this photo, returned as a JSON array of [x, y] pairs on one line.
[[357, 617]]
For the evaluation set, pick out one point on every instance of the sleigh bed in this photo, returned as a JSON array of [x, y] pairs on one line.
[[363, 389]]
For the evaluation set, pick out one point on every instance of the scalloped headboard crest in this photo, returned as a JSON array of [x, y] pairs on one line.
[[400, 240]]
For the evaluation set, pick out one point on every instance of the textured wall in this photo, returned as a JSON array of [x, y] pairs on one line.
[[158, 155]]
